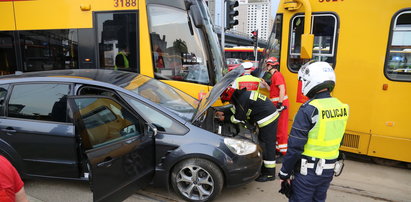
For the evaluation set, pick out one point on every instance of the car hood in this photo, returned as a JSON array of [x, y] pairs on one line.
[[217, 90]]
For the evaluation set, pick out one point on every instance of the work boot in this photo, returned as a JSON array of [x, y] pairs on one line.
[[265, 178]]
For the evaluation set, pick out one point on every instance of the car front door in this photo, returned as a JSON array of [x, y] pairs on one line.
[[118, 146]]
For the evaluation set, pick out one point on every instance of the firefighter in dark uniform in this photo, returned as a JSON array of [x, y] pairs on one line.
[[315, 138], [251, 107]]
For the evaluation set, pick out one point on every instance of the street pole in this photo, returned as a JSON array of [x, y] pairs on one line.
[[222, 24], [256, 51]]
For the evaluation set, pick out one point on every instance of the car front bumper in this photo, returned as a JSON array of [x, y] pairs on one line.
[[243, 169]]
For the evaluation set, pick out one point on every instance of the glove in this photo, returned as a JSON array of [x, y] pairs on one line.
[[281, 107], [279, 104], [285, 188]]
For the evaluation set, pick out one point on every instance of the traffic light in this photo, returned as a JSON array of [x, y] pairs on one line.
[[231, 13], [254, 37]]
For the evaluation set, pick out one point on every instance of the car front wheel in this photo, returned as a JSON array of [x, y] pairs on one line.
[[197, 180]]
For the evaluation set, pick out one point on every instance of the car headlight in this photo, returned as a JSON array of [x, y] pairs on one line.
[[240, 147]]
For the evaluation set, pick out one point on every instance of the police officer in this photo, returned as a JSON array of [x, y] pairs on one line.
[[251, 107], [247, 80], [316, 135]]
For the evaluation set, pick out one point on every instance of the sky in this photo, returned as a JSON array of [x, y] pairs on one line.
[[274, 6]]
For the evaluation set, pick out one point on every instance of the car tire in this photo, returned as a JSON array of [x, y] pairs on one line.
[[197, 179]]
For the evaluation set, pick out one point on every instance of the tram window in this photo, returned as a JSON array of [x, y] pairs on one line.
[[177, 55], [324, 28], [116, 39], [8, 64], [49, 49], [398, 61]]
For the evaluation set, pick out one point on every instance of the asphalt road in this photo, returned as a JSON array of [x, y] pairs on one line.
[[360, 181]]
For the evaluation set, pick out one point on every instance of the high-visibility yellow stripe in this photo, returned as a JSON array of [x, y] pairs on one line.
[[267, 120], [269, 164]]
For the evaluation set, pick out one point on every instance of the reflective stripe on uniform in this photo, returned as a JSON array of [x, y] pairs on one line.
[[276, 99], [234, 120], [253, 95], [268, 119], [248, 113], [269, 164], [281, 147], [232, 109], [283, 173]]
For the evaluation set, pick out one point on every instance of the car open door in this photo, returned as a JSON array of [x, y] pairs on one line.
[[118, 146]]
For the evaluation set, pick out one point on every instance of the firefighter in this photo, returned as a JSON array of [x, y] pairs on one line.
[[253, 108], [314, 141], [278, 95], [247, 80]]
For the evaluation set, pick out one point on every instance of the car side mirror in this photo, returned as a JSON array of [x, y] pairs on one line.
[[151, 130]]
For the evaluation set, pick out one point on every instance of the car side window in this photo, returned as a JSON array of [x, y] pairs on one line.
[[3, 95], [161, 121], [90, 90], [46, 102], [105, 121]]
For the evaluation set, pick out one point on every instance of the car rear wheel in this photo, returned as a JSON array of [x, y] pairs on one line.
[[197, 180]]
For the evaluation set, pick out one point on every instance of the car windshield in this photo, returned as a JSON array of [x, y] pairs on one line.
[[177, 101]]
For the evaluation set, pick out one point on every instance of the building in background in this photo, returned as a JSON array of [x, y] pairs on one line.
[[253, 15], [214, 10]]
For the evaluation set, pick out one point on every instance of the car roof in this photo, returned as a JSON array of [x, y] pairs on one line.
[[118, 78], [112, 79]]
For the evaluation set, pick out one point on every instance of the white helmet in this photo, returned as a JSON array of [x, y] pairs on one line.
[[316, 76], [247, 65]]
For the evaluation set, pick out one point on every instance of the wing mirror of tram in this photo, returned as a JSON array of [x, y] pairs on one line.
[[307, 42], [197, 16]]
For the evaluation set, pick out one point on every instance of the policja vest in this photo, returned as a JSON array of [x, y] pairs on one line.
[[325, 137]]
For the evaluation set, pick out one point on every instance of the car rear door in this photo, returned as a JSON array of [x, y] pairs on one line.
[[117, 143]]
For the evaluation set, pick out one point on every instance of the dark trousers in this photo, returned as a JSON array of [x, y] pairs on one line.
[[310, 187], [267, 137]]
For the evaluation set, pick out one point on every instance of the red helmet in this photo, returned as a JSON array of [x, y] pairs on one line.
[[272, 61], [227, 94]]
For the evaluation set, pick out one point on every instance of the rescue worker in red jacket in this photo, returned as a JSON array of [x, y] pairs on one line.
[[313, 146], [256, 109], [278, 95], [11, 185], [247, 80]]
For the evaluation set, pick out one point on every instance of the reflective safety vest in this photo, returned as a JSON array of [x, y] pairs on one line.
[[325, 137], [126, 65], [250, 82]]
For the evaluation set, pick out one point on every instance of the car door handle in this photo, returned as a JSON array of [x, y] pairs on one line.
[[108, 161], [130, 141], [8, 130]]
